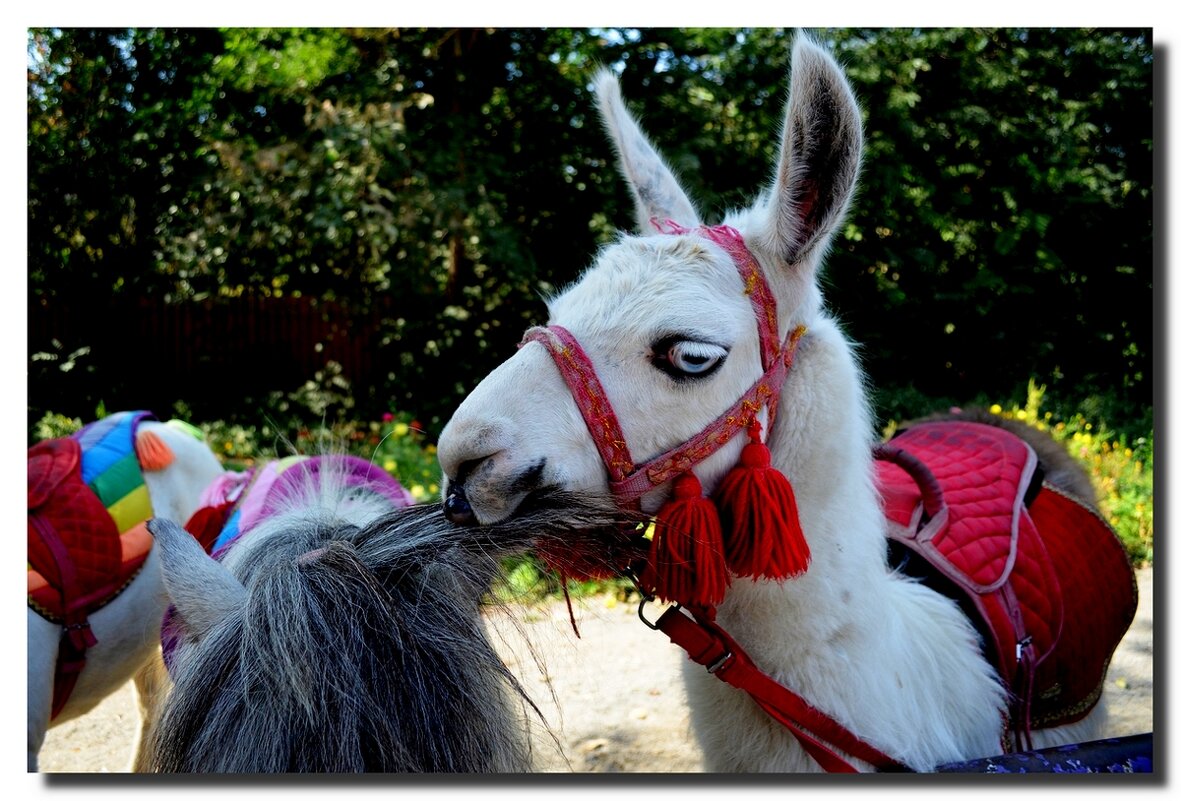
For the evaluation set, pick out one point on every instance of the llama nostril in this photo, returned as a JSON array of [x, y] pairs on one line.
[[457, 509]]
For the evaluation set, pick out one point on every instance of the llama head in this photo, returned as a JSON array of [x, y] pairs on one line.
[[178, 465], [664, 318]]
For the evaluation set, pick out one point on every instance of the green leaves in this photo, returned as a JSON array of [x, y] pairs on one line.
[[291, 62], [439, 180]]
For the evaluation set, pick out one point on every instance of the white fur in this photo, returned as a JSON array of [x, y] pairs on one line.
[[128, 628], [896, 663]]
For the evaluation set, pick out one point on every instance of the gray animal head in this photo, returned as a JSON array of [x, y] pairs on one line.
[[341, 647]]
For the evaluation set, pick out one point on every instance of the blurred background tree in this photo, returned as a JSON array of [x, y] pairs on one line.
[[216, 215]]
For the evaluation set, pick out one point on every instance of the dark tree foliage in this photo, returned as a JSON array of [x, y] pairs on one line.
[[1004, 225], [425, 188]]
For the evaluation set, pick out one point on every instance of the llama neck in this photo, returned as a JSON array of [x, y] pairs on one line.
[[848, 635], [822, 442]]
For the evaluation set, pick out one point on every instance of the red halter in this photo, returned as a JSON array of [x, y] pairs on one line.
[[627, 480], [768, 500]]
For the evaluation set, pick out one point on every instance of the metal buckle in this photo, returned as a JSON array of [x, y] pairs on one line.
[[640, 613], [720, 662], [629, 573], [645, 597]]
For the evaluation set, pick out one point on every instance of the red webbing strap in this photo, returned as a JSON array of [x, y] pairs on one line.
[[76, 634], [708, 645]]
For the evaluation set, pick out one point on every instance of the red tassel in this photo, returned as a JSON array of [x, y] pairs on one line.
[[572, 561], [758, 507], [687, 563]]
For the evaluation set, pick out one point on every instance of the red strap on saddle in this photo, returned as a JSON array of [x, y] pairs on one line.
[[56, 494], [1050, 584], [76, 633], [709, 645]]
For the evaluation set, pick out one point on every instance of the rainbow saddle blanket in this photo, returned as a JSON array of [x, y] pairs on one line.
[[88, 505]]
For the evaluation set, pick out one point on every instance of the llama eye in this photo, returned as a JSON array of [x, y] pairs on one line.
[[684, 358]]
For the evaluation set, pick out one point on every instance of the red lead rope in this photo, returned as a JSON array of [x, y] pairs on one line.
[[709, 645]]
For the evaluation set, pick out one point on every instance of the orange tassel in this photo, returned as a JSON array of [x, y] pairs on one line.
[[153, 452], [687, 563], [758, 507]]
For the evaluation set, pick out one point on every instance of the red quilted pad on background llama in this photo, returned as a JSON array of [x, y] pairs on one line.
[[69, 531]]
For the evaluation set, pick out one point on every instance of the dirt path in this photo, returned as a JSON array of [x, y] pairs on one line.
[[613, 697]]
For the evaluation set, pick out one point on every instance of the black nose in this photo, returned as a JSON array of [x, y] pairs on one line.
[[457, 509]]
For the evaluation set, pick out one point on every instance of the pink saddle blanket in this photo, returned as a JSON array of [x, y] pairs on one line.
[[1044, 577]]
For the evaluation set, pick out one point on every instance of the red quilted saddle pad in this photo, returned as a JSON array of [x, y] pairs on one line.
[[77, 559], [1050, 581]]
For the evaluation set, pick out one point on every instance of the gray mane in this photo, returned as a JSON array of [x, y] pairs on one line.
[[360, 648]]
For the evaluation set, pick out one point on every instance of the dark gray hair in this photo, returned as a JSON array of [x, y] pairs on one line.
[[361, 648]]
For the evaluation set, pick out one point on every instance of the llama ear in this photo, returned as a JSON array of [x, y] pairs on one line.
[[820, 155], [655, 189], [200, 587]]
